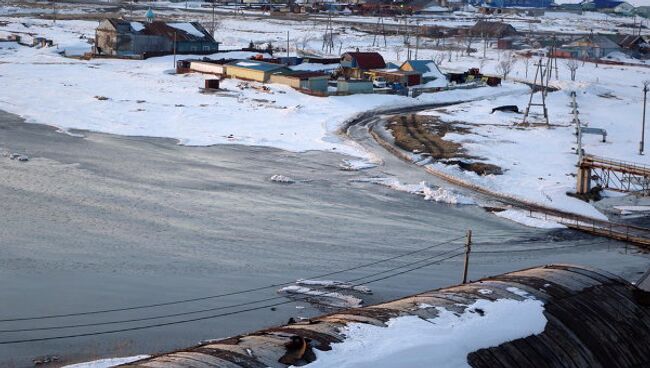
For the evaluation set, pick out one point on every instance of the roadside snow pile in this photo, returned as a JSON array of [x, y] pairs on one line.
[[325, 298], [107, 363], [331, 284], [444, 341], [523, 218], [440, 195]]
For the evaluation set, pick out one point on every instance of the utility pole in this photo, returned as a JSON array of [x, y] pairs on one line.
[[287, 44], [468, 249], [539, 72], [213, 20], [645, 98], [54, 11], [174, 49]]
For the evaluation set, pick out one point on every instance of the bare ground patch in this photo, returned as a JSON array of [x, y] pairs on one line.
[[424, 135]]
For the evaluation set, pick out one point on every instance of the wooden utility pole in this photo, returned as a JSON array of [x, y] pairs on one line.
[[287, 44], [468, 249], [174, 49], [645, 97]]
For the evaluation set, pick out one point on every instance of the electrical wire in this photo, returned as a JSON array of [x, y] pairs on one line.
[[183, 301], [137, 328], [50, 328]]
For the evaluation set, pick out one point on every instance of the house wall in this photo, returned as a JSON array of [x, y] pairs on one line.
[[248, 74], [315, 84], [210, 68], [286, 80], [354, 86]]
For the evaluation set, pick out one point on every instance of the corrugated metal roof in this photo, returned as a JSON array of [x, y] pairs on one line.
[[595, 319]]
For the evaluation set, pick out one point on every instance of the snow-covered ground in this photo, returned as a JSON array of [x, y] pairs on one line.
[[144, 98], [444, 341], [107, 363], [539, 161]]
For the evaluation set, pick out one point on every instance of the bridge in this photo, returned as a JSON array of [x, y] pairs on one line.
[[619, 176]]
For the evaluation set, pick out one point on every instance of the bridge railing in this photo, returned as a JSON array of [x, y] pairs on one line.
[[618, 163]]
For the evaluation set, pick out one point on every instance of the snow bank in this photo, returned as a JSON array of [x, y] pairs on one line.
[[331, 284], [333, 299], [441, 195], [107, 363], [523, 218], [444, 341]]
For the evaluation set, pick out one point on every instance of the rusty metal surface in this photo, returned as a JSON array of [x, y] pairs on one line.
[[595, 319]]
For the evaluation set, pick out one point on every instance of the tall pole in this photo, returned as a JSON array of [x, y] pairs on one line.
[[645, 97], [54, 11], [468, 249], [287, 44], [174, 49], [213, 20]]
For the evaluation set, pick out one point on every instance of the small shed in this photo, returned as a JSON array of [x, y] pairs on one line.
[[254, 70], [308, 81], [354, 86], [405, 78], [431, 74]]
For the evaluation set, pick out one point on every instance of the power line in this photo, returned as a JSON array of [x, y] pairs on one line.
[[50, 328], [534, 249], [137, 328], [184, 301]]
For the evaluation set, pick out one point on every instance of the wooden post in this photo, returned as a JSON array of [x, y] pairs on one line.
[[174, 49], [468, 249]]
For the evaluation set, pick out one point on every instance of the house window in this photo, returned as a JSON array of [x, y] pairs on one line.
[[206, 48]]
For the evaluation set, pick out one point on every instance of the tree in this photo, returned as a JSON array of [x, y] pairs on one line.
[[505, 65], [398, 51], [438, 58], [469, 40], [572, 65], [527, 63]]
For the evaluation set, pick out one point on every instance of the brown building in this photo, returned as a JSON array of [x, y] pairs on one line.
[[355, 64]]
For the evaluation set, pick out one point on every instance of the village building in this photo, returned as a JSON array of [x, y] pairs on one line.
[[590, 47], [429, 71], [116, 37], [642, 11], [396, 76], [356, 64], [308, 82], [254, 70], [484, 28]]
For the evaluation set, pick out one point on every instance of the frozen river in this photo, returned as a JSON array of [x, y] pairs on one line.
[[99, 222]]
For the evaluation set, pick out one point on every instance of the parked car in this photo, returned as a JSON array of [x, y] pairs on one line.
[[379, 82]]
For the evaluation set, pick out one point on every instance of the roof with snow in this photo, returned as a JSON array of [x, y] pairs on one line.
[[181, 31], [257, 65], [551, 316]]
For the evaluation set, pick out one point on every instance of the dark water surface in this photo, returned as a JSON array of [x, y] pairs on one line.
[[102, 221]]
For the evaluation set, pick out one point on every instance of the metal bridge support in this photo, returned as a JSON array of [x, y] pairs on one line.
[[583, 185]]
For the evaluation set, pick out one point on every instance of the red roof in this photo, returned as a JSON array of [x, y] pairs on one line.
[[367, 60]]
